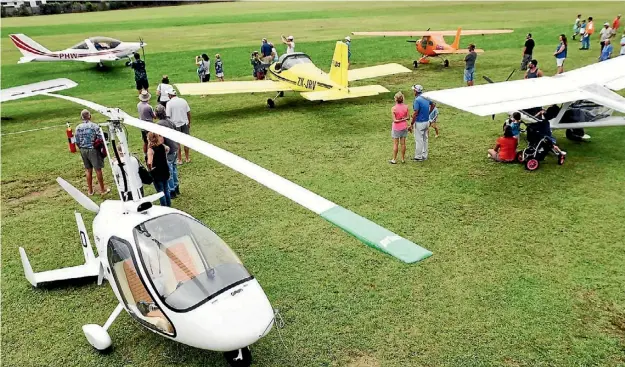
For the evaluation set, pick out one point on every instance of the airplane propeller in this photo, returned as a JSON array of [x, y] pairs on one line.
[[81, 198]]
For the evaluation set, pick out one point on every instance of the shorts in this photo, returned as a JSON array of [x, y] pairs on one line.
[[397, 134], [142, 84], [469, 74], [220, 75], [91, 158], [183, 129], [501, 160], [206, 78], [560, 62], [144, 136]]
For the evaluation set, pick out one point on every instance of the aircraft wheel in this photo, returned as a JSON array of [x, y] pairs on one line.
[[446, 63], [239, 358], [561, 159], [532, 164], [415, 64], [271, 103], [100, 65], [281, 94], [519, 156]]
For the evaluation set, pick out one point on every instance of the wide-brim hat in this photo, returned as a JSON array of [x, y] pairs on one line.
[[145, 96]]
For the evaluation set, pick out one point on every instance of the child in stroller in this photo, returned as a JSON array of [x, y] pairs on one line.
[[539, 143]]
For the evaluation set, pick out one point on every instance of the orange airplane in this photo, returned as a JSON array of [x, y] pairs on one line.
[[432, 43]]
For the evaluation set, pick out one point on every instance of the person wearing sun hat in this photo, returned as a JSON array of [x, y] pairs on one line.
[[420, 123], [146, 113], [604, 34], [179, 112]]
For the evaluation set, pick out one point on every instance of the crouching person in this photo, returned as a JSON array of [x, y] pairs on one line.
[[505, 148]]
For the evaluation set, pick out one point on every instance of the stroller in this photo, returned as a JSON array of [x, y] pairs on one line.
[[539, 144]]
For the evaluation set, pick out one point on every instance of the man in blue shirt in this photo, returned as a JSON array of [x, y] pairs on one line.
[[265, 50], [606, 53], [420, 123], [86, 134]]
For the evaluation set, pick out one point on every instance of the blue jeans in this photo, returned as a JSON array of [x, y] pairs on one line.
[[173, 174], [161, 186], [586, 41]]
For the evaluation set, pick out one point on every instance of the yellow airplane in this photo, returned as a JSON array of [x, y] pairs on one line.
[[296, 72]]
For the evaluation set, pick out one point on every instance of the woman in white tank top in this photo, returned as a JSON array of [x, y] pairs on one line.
[[290, 44]]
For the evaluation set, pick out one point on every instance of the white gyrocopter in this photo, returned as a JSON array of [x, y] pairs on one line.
[[170, 272], [585, 96]]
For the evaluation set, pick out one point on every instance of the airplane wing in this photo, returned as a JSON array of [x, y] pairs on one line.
[[376, 71], [431, 33], [354, 92], [458, 51], [30, 90], [257, 86], [592, 82]]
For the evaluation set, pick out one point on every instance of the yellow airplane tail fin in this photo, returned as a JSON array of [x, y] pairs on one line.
[[456, 44], [338, 69]]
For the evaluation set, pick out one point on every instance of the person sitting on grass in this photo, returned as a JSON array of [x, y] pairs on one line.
[[505, 148], [399, 128], [515, 124]]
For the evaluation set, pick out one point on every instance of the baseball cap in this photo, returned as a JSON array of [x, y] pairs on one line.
[[529, 35], [172, 92], [348, 38], [606, 23], [417, 88], [534, 62], [290, 37]]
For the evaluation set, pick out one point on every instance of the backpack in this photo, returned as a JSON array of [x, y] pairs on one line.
[[98, 144], [144, 174]]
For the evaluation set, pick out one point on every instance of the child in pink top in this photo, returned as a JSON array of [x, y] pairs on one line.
[[399, 129]]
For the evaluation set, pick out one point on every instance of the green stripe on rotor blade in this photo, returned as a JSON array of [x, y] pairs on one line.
[[375, 236]]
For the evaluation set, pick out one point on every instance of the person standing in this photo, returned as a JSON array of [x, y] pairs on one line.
[[622, 53], [616, 24], [399, 128], [348, 42], [146, 113], [203, 68], [265, 50], [469, 69], [527, 51], [162, 91], [157, 164], [172, 155], [606, 53], [533, 71], [577, 25], [86, 134], [141, 76], [588, 31], [179, 113], [420, 123], [560, 54], [219, 68], [290, 44], [604, 34], [274, 53]]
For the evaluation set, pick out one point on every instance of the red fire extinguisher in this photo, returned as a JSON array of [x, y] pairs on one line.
[[70, 139]]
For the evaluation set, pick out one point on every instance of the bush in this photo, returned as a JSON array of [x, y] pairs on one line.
[[90, 7], [24, 11], [67, 7], [50, 8]]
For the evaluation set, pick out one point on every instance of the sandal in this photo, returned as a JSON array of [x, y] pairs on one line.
[[106, 192], [90, 193], [187, 161], [392, 161]]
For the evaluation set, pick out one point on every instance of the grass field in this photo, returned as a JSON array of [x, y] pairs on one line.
[[528, 268]]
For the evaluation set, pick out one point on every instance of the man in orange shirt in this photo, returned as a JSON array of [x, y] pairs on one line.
[[616, 23], [590, 29]]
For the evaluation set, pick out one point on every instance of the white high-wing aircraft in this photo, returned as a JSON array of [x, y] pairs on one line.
[[169, 271], [585, 94], [97, 50]]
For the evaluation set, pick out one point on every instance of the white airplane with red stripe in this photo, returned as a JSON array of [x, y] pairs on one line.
[[95, 50]]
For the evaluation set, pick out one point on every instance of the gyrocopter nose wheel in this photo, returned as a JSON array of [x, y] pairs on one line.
[[239, 358], [271, 103], [415, 64], [446, 63]]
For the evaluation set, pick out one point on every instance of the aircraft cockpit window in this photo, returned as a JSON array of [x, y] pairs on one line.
[[187, 262], [81, 46], [136, 297], [290, 61]]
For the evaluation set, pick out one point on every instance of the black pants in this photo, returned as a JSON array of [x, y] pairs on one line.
[[602, 43]]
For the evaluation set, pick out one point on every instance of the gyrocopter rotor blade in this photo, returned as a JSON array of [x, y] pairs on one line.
[[365, 230], [81, 198]]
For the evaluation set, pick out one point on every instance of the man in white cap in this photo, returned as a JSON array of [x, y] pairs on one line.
[[348, 42], [146, 113], [605, 34], [420, 123], [179, 113], [290, 44]]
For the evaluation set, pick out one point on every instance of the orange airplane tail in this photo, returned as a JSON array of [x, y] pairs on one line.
[[456, 44]]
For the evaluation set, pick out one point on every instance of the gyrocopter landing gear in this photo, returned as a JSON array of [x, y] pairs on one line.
[[271, 103], [239, 358], [415, 64], [100, 65], [446, 63]]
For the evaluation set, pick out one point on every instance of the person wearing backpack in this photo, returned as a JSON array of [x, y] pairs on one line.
[[87, 133], [203, 71]]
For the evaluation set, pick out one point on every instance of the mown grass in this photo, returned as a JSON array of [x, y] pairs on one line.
[[527, 268]]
